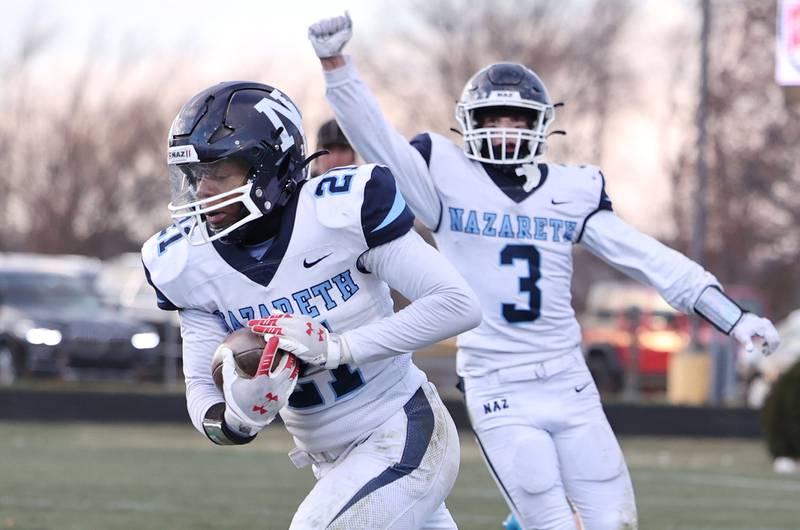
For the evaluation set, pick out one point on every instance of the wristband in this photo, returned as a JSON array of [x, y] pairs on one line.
[[218, 431], [718, 309], [338, 352]]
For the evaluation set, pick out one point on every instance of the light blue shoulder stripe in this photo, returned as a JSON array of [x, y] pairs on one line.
[[397, 208]]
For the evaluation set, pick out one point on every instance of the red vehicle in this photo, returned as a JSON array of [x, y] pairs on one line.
[[621, 316]]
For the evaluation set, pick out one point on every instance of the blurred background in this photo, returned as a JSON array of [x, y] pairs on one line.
[[685, 104]]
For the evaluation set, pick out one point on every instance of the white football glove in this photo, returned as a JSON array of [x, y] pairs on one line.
[[252, 403], [329, 35], [751, 325], [310, 341]]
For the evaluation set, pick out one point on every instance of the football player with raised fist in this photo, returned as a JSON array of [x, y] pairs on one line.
[[308, 264], [508, 222]]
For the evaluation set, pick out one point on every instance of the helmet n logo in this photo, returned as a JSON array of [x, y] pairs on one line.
[[280, 105]]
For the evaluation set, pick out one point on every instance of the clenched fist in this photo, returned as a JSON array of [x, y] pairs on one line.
[[329, 35]]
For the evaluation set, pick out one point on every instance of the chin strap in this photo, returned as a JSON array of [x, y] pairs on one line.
[[291, 184], [314, 156]]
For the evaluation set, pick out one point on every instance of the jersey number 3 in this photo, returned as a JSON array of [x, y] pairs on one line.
[[527, 284]]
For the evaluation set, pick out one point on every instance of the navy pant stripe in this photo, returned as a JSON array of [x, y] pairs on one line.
[[510, 501], [418, 436], [494, 473]]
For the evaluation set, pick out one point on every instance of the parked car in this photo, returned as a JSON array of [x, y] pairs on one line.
[[53, 320], [660, 331], [124, 286], [613, 309]]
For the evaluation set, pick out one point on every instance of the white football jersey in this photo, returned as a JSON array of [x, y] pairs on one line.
[[514, 247], [310, 268], [515, 250]]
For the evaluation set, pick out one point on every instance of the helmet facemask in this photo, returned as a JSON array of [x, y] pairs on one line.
[[505, 89], [479, 140], [236, 155], [233, 182]]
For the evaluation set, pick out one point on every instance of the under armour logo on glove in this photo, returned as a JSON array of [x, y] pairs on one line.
[[269, 396], [253, 402], [299, 334]]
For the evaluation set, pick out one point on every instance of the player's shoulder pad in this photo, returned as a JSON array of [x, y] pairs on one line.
[[587, 185], [164, 257], [424, 146], [431, 144], [384, 213], [361, 200], [581, 184], [595, 185], [336, 196], [427, 143]]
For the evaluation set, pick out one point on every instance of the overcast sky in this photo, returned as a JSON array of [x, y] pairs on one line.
[[214, 26], [223, 34], [218, 35]]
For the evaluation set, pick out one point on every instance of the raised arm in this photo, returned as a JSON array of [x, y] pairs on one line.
[[369, 133], [682, 282]]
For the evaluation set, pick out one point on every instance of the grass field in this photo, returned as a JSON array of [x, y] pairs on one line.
[[93, 477]]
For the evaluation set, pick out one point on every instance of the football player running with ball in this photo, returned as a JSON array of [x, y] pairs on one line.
[[255, 243], [508, 223]]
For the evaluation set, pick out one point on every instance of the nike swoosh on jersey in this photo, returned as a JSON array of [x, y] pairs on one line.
[[579, 389], [309, 264], [556, 203]]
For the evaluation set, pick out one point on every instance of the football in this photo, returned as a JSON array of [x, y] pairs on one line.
[[247, 348]]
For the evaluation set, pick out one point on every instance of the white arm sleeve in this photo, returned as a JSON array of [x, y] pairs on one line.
[[442, 305], [201, 332], [677, 278], [376, 141]]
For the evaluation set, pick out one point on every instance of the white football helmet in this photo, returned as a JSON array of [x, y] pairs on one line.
[[498, 87]]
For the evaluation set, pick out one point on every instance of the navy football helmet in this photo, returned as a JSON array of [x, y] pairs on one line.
[[505, 88], [252, 125]]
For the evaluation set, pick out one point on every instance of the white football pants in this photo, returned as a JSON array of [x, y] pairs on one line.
[[396, 478], [545, 438]]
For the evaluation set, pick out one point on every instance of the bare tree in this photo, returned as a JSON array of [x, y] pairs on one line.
[[754, 165], [430, 51], [428, 57], [15, 73], [82, 150], [85, 164]]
